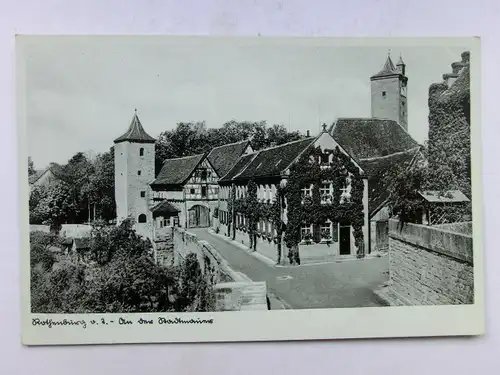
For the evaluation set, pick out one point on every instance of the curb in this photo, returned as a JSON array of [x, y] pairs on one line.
[[267, 261]]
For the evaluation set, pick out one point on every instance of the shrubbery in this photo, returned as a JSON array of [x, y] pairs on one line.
[[117, 274]]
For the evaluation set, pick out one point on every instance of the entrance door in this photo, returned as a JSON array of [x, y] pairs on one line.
[[199, 216], [345, 240]]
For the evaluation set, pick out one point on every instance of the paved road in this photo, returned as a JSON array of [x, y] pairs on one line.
[[347, 284]]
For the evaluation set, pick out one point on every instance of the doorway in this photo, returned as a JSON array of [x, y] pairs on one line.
[[199, 217], [345, 240]]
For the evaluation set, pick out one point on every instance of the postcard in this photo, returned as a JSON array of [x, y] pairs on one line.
[[204, 189]]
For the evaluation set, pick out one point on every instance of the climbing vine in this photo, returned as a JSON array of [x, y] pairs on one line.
[[340, 171], [231, 212]]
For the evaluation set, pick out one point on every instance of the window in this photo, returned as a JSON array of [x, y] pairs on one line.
[[141, 151], [138, 173], [325, 158], [326, 230], [203, 174], [142, 218], [306, 191], [191, 191], [143, 194], [306, 232], [403, 104], [383, 94], [346, 191], [325, 191], [203, 191]]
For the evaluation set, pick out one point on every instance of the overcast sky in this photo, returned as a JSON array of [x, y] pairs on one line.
[[81, 92]]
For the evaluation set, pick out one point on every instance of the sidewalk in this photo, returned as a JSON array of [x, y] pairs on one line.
[[305, 261]]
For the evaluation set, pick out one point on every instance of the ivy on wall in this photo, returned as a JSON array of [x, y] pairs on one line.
[[308, 171]]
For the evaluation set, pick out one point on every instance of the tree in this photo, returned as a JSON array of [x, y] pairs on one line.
[[31, 167], [100, 188], [190, 138], [56, 206]]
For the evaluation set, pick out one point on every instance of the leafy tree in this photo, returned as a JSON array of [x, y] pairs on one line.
[[119, 276], [194, 138], [56, 206], [38, 211], [100, 188]]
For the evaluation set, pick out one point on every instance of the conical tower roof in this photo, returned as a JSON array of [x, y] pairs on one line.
[[400, 61], [387, 70], [135, 133]]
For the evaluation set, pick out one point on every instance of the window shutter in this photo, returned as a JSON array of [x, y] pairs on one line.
[[316, 232]]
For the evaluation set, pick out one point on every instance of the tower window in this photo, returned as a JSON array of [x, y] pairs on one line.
[[383, 94], [143, 194], [403, 104], [142, 218], [141, 151], [138, 173]]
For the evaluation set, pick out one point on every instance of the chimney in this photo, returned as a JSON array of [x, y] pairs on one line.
[[307, 134]]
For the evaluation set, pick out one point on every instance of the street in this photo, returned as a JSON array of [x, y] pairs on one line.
[[329, 285]]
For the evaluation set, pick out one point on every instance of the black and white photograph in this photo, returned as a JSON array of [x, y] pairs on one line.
[[247, 177]]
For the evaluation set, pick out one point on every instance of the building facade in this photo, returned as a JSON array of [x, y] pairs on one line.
[[270, 170]]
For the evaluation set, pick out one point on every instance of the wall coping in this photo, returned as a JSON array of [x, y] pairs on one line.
[[208, 249], [458, 246]]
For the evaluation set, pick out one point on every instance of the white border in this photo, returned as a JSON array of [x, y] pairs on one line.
[[273, 325]]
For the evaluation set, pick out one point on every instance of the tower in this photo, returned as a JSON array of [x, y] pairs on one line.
[[388, 90], [134, 170]]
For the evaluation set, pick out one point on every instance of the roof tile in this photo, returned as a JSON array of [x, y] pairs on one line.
[[223, 158], [135, 133], [371, 137], [177, 171]]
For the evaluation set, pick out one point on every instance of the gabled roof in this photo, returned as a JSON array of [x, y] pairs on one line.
[[177, 171], [164, 208], [378, 169], [452, 196], [135, 133], [54, 168], [223, 158], [239, 166], [371, 137], [269, 162], [388, 70], [35, 176]]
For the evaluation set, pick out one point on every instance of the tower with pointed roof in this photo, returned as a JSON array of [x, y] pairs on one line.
[[388, 91], [134, 170]]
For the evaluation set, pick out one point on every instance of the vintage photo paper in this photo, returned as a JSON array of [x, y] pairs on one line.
[[201, 189]]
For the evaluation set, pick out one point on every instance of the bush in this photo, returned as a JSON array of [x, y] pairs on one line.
[[120, 277]]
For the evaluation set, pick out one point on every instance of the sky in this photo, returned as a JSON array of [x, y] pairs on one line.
[[81, 92]]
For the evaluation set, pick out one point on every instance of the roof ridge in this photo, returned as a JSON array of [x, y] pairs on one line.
[[285, 144], [230, 144], [184, 157], [414, 149], [246, 165]]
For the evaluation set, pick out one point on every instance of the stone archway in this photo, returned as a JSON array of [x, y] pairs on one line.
[[198, 216]]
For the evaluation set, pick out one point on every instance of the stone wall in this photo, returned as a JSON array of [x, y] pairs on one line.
[[185, 242], [429, 266], [463, 227], [233, 291], [67, 230]]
